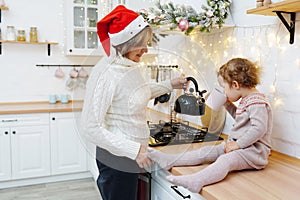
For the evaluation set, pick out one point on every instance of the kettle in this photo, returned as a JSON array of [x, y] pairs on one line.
[[189, 103]]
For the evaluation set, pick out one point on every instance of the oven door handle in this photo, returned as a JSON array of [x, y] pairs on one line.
[[174, 187]]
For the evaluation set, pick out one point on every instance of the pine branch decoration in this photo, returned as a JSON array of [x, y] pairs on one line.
[[186, 18]]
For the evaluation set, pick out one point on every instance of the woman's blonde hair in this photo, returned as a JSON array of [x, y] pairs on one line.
[[245, 72], [136, 42]]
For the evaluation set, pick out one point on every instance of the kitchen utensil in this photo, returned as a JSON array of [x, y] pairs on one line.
[[71, 83], [59, 73], [82, 82], [165, 97], [73, 73], [162, 98], [82, 73], [216, 99], [191, 104]]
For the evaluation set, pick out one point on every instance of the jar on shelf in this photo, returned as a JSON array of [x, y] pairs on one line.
[[10, 33], [21, 36], [33, 34], [267, 2]]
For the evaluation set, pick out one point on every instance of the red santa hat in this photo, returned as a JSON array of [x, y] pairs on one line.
[[119, 26]]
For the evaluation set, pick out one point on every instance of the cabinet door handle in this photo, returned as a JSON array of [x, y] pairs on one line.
[[6, 132], [9, 120], [14, 132], [174, 187], [53, 118]]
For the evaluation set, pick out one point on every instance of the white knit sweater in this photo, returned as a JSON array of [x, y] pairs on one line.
[[114, 110]]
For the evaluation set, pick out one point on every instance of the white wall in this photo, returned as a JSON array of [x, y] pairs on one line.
[[20, 79], [266, 40], [262, 39], [259, 38]]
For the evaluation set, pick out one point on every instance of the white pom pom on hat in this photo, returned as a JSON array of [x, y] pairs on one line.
[[119, 26]]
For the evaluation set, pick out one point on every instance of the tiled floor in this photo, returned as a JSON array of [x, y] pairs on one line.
[[83, 189]]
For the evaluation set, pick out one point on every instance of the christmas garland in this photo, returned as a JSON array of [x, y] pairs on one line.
[[186, 18]]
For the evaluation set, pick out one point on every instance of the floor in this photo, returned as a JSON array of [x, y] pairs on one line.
[[83, 189]]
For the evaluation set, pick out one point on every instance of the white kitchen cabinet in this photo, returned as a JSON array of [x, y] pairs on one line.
[[159, 193], [5, 161], [161, 189], [68, 153], [25, 148], [81, 32]]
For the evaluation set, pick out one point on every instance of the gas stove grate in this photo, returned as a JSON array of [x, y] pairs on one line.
[[178, 133]]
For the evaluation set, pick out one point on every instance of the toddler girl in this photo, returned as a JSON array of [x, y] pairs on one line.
[[248, 145]]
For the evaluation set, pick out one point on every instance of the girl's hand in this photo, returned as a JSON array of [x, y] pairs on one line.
[[179, 83], [142, 158], [231, 146]]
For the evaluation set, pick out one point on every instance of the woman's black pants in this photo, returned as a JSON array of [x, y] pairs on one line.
[[118, 176]]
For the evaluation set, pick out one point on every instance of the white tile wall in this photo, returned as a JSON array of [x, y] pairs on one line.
[[21, 80]]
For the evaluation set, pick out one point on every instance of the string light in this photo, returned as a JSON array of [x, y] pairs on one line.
[[258, 43]]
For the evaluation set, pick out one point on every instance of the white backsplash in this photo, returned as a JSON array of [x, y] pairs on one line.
[[21, 80]]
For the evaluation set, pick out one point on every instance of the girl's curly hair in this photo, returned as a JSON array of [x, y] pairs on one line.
[[245, 72]]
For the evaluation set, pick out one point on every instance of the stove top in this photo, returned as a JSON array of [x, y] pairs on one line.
[[178, 133]]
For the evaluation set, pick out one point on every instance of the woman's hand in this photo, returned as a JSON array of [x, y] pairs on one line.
[[142, 158], [231, 146], [179, 83]]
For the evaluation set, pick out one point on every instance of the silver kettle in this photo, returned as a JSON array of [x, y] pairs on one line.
[[191, 104]]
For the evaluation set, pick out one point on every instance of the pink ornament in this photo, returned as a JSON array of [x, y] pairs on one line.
[[144, 11], [183, 24], [156, 19]]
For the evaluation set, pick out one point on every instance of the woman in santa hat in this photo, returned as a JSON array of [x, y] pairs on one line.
[[114, 110]]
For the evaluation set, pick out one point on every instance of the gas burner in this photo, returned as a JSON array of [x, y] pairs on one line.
[[178, 133]]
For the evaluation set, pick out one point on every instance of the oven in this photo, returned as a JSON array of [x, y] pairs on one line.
[[144, 186]]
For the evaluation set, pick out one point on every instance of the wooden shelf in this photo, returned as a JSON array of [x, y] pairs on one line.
[[3, 8], [283, 6], [33, 43], [26, 42], [287, 7]]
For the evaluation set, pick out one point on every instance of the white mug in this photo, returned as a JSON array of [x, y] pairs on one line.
[[73, 73], [59, 73], [216, 99], [82, 73], [64, 98], [53, 98]]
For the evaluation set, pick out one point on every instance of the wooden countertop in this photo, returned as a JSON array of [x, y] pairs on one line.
[[279, 180], [39, 107]]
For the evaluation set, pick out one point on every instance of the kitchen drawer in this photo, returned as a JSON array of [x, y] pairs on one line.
[[24, 119], [162, 189]]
